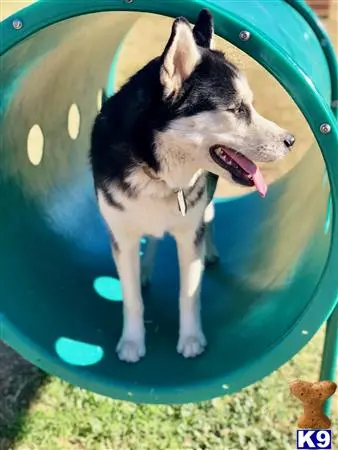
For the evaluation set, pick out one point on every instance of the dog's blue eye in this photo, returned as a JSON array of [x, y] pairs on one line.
[[237, 109], [232, 110], [240, 109]]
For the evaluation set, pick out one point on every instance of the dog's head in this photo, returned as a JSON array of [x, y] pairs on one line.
[[210, 105]]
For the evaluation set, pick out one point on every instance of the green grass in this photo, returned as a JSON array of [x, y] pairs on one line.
[[262, 417]]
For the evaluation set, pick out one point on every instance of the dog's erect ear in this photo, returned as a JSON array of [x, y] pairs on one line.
[[180, 57], [204, 29]]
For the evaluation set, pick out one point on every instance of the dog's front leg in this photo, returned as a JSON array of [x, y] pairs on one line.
[[131, 346], [191, 254]]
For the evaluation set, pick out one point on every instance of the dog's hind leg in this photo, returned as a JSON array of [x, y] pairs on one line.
[[191, 252], [131, 346], [211, 253], [148, 260]]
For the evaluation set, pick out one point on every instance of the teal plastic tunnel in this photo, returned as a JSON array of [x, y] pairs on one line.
[[60, 300]]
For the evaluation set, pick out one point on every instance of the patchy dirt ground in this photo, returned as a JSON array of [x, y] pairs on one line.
[[18, 379]]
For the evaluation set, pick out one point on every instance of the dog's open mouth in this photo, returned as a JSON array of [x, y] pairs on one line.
[[242, 169]]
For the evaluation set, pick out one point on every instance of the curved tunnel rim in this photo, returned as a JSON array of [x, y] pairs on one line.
[[324, 298], [313, 20]]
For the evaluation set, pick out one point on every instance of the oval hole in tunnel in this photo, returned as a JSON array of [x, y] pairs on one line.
[[108, 288], [74, 121], [99, 100], [35, 145], [78, 353]]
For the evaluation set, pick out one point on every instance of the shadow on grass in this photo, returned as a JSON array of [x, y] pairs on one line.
[[19, 386]]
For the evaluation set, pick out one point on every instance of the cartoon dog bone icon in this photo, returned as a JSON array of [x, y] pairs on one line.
[[313, 397]]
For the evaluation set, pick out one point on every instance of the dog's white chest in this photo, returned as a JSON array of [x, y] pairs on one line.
[[155, 217], [150, 216]]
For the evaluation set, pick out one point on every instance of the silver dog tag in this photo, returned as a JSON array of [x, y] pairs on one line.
[[182, 204]]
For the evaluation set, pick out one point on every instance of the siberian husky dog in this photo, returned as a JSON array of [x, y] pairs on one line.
[[158, 147]]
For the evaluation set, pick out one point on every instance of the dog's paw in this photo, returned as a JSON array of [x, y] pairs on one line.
[[130, 350], [191, 346]]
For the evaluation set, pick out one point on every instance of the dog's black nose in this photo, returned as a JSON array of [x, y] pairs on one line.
[[289, 140]]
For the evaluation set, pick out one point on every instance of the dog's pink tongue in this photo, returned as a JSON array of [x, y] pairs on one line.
[[251, 168]]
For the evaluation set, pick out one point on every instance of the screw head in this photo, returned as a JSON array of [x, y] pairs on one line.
[[17, 24], [129, 1], [334, 104], [325, 128], [244, 35]]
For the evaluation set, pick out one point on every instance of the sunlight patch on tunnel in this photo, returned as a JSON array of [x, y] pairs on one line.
[[108, 288], [325, 178], [35, 145], [78, 353], [328, 216]]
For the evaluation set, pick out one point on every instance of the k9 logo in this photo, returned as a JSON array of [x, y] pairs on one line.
[[314, 439]]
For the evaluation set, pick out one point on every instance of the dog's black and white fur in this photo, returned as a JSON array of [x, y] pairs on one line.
[[150, 144]]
